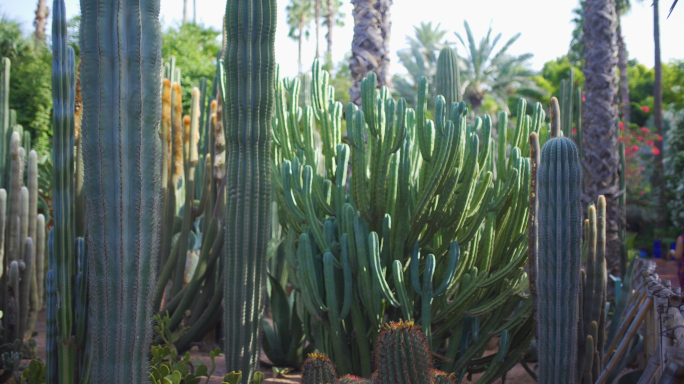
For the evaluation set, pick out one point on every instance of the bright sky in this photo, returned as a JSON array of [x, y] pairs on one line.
[[545, 26]]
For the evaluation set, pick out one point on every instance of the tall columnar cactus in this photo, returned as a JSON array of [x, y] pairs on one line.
[[317, 369], [121, 78], [248, 89], [5, 127], [594, 292], [63, 95], [559, 234], [448, 80]]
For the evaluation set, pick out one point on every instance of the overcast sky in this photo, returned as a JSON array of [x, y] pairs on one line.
[[545, 26]]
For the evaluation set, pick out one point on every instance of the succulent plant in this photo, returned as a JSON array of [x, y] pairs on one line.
[[317, 369]]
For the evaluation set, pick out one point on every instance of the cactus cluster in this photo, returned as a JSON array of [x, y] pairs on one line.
[[414, 233], [22, 234], [402, 355]]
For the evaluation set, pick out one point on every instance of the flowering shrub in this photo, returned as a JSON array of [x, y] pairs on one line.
[[674, 170], [639, 151]]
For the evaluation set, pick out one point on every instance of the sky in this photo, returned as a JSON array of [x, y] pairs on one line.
[[545, 26]]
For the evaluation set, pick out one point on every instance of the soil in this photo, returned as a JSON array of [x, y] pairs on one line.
[[517, 375]]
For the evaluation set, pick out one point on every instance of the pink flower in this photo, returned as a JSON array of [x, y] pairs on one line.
[[621, 125], [644, 129], [574, 131], [655, 151], [641, 192], [584, 98], [635, 148], [649, 142], [645, 109], [642, 168], [659, 138], [639, 138]]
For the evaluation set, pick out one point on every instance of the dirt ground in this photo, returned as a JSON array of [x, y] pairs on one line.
[[515, 376]]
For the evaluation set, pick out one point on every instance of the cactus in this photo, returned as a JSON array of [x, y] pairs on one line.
[[594, 290], [5, 127], [559, 236], [351, 379], [447, 79], [317, 369], [413, 181], [120, 141], [249, 60], [402, 355]]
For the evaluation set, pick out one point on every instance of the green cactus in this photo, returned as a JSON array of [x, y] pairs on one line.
[[447, 79], [318, 369], [413, 181], [5, 127], [402, 355], [351, 379], [122, 164], [559, 236], [594, 288], [249, 60]]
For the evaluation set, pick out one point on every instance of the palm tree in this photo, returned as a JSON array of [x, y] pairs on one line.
[[317, 17], [186, 10], [41, 20], [498, 75], [299, 16], [370, 44], [420, 59], [333, 17], [658, 177], [622, 7], [601, 160]]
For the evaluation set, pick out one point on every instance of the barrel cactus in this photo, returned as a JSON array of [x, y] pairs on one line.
[[317, 369]]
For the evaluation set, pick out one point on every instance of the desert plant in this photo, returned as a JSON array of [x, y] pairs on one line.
[[121, 158], [318, 368], [354, 241], [249, 110]]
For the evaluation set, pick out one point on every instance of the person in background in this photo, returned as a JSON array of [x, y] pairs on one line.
[[677, 254]]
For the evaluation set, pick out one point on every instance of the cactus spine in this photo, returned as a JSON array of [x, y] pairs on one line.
[[559, 233], [248, 89], [121, 77]]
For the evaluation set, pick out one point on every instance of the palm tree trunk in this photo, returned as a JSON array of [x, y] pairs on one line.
[[299, 56], [186, 10], [318, 26], [41, 20], [370, 45], [601, 160], [624, 80], [330, 19], [194, 11], [658, 120]]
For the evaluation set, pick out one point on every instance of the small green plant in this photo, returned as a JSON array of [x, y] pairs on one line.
[[167, 368], [35, 372], [235, 377]]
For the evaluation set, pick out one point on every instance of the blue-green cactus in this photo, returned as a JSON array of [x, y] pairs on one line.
[[121, 56], [559, 233]]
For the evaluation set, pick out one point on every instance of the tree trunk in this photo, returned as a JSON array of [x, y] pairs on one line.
[[194, 11], [299, 56], [658, 121], [370, 45], [186, 10], [624, 80], [318, 26], [330, 19], [600, 162], [41, 20]]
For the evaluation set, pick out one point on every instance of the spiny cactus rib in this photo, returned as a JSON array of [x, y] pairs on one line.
[[122, 161], [559, 256], [249, 79], [447, 80]]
